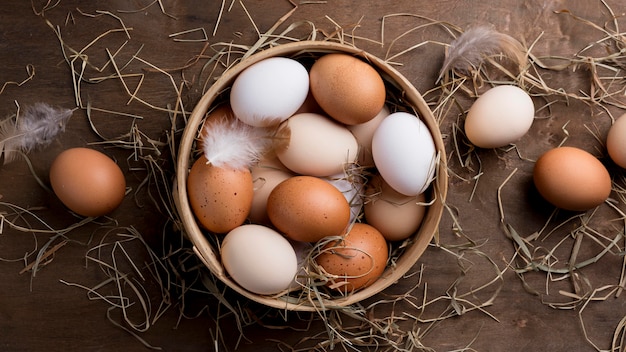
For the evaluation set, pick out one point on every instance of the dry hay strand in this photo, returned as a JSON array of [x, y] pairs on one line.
[[529, 255], [30, 72], [408, 324]]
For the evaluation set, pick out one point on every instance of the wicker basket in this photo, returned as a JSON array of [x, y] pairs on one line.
[[309, 50]]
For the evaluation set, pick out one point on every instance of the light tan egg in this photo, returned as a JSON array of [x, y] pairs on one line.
[[364, 133], [315, 145], [616, 141], [266, 175], [395, 215], [259, 259], [500, 116]]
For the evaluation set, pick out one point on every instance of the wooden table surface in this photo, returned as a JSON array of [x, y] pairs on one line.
[[71, 54]]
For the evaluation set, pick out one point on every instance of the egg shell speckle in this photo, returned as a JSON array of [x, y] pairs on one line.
[[358, 259], [572, 179]]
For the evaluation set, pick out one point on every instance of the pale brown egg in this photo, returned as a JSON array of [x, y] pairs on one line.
[[355, 261], [87, 181], [220, 197], [306, 208], [364, 133], [395, 215], [572, 179], [616, 141], [266, 175], [348, 89], [315, 145]]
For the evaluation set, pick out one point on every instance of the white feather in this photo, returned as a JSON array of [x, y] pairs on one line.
[[34, 128], [232, 143]]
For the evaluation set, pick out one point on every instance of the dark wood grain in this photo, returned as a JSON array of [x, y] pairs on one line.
[[48, 312]]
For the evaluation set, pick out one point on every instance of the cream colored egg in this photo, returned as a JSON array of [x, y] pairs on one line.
[[259, 259], [316, 145], [500, 116], [616, 141], [266, 175], [364, 132]]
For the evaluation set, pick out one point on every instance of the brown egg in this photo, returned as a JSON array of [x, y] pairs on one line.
[[572, 179], [357, 260], [348, 89], [310, 105], [395, 215], [221, 113], [87, 181], [306, 208], [219, 197]]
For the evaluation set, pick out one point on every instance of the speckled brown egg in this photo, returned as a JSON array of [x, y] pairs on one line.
[[348, 89], [87, 181], [307, 208], [572, 179], [220, 197], [357, 260]]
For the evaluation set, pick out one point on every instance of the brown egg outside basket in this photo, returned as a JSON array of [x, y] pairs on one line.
[[420, 240]]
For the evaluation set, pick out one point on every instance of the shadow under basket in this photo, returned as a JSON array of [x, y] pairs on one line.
[[401, 94]]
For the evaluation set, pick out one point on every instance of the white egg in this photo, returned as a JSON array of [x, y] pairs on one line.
[[404, 153], [317, 145], [499, 117], [269, 91], [259, 259]]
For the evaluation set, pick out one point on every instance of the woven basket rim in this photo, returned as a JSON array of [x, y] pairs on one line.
[[423, 237]]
